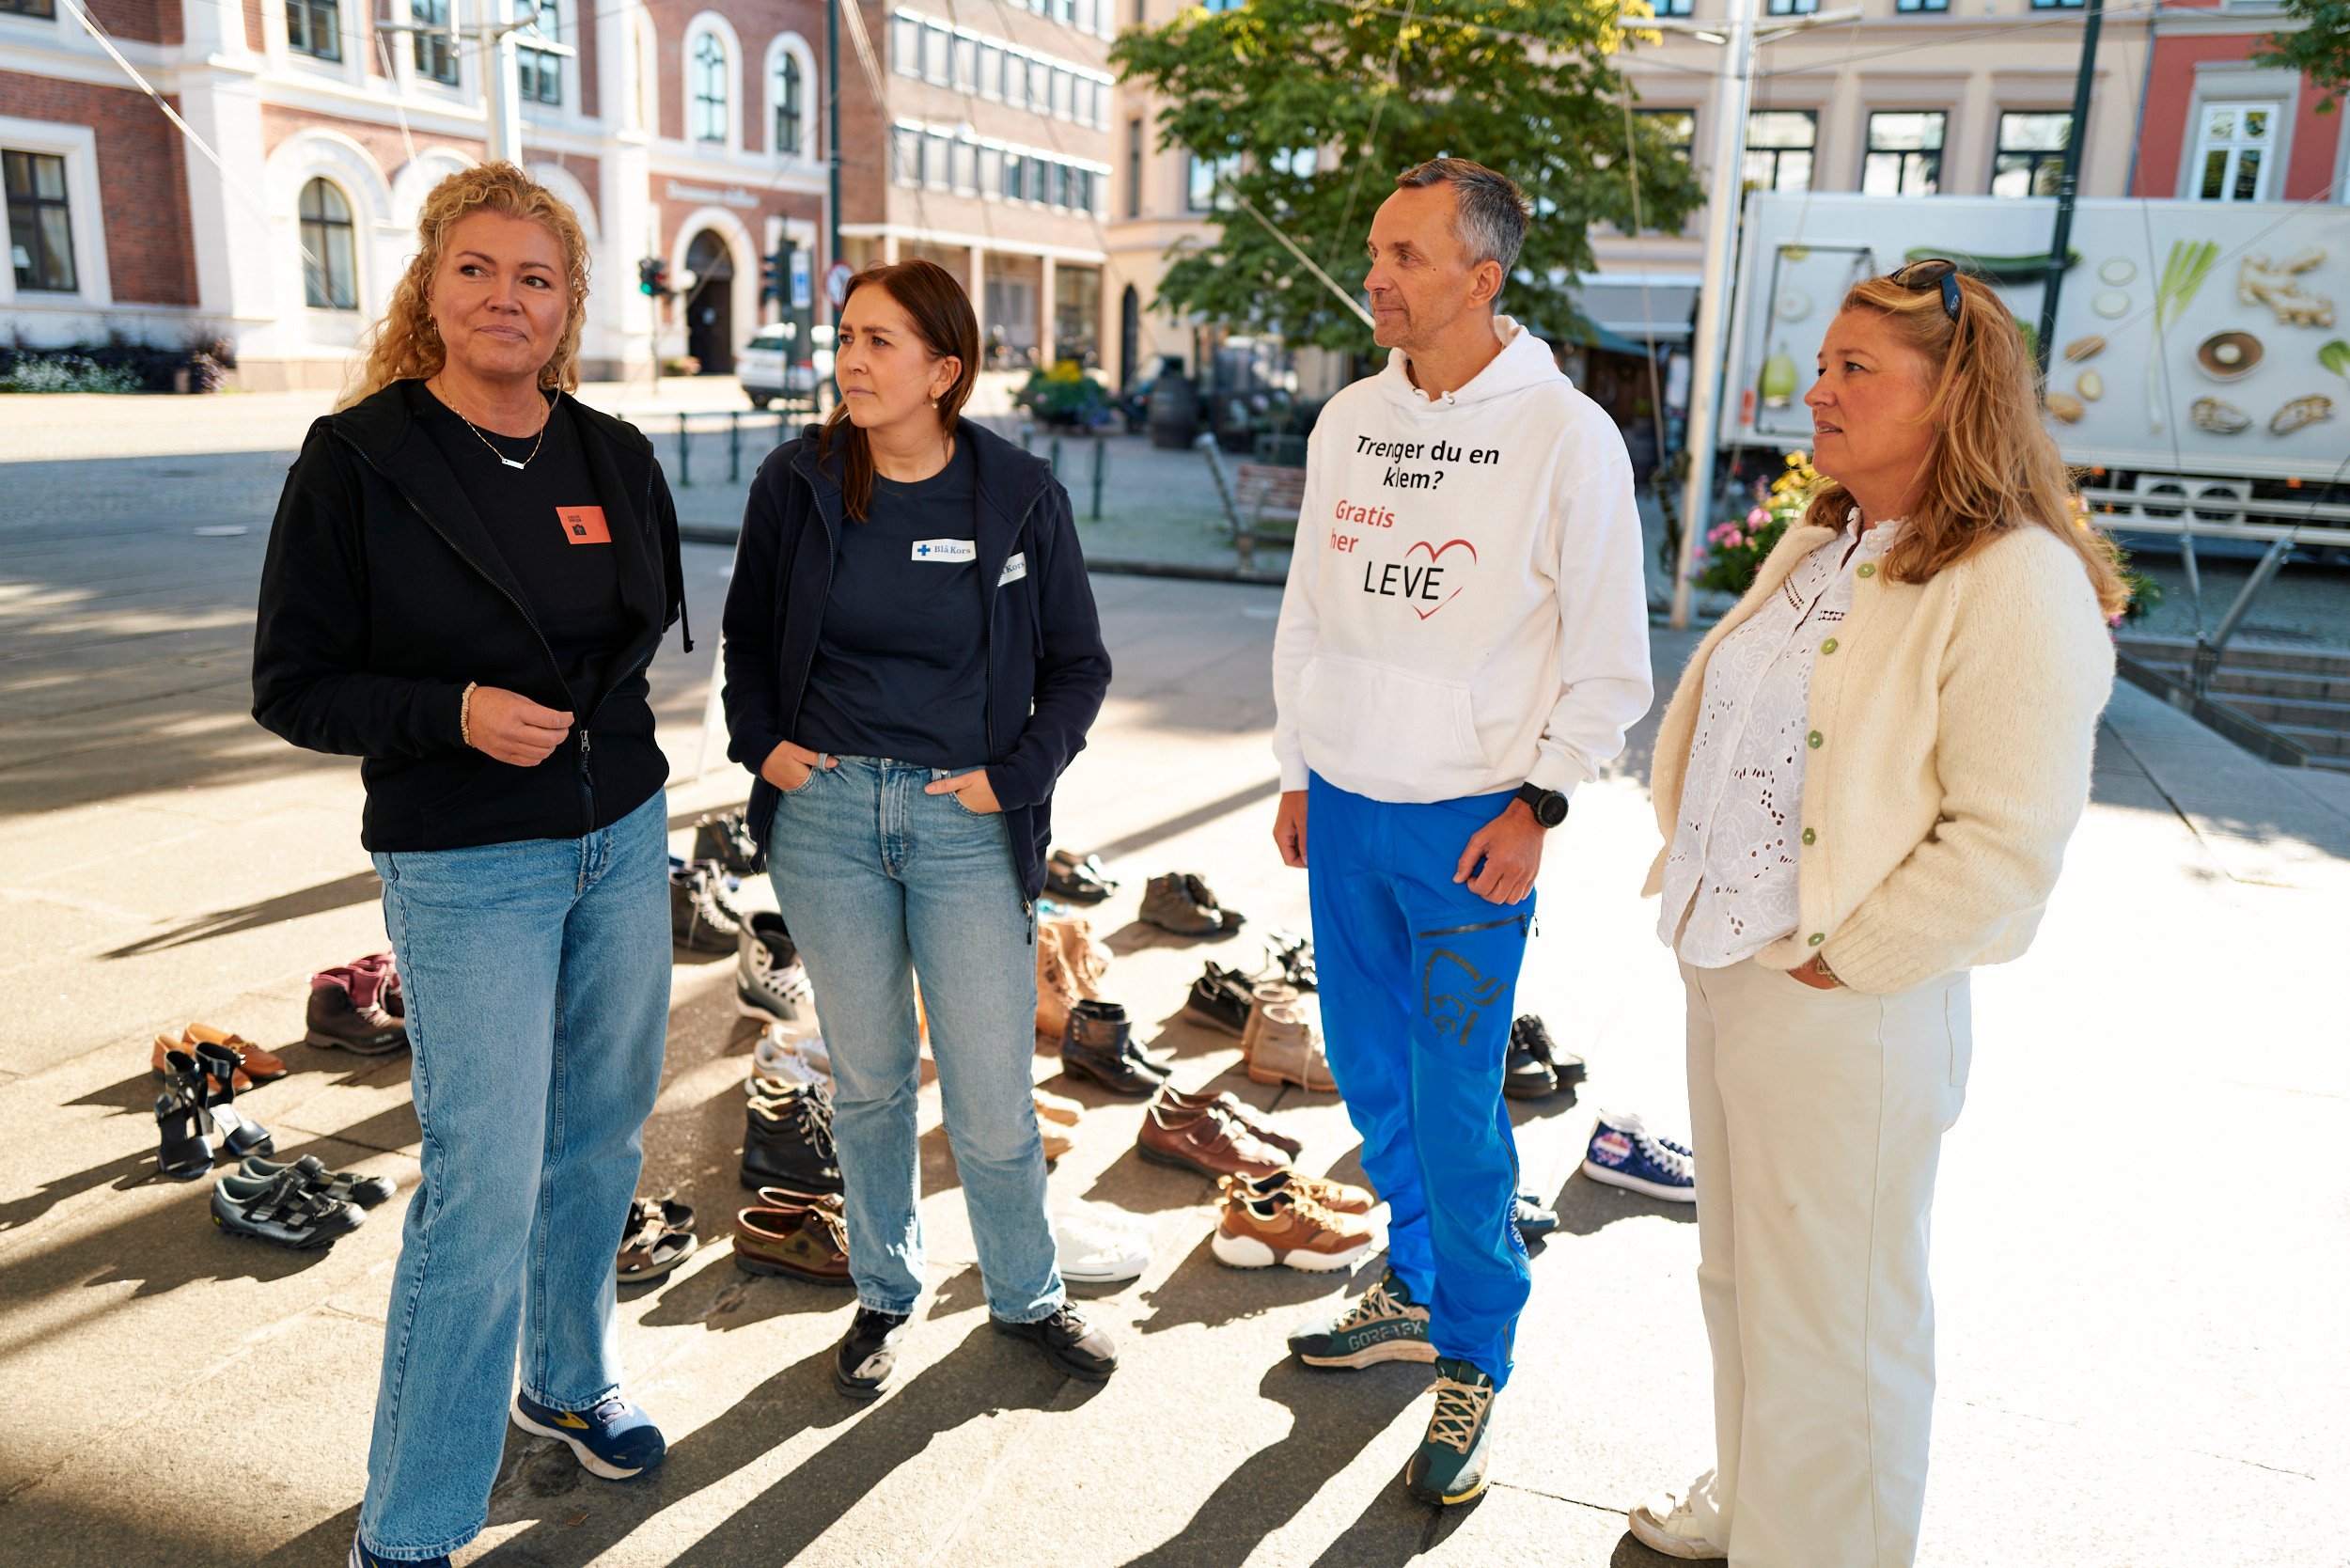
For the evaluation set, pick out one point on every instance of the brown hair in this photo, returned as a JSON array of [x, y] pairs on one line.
[[943, 320], [1993, 465], [405, 344]]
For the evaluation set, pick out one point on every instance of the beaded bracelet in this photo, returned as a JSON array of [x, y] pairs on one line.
[[464, 713]]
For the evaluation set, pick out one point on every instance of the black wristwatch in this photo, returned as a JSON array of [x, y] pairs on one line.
[[1548, 806]]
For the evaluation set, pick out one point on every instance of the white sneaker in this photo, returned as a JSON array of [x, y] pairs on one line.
[[786, 1062], [1666, 1522], [1097, 1250]]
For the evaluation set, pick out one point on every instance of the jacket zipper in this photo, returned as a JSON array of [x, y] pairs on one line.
[[1517, 920]]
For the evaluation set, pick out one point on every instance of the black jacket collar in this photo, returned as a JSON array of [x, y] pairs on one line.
[[1008, 481]]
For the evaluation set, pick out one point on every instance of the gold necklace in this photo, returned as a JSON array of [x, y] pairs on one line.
[[509, 462]]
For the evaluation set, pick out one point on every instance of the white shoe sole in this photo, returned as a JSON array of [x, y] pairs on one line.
[[1613, 1177], [588, 1460], [1656, 1538], [1249, 1252]]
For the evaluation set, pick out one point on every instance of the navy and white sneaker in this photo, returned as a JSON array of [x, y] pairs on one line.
[[1624, 1154], [362, 1557], [614, 1439]]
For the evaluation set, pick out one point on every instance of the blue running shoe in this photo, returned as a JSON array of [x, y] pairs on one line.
[[362, 1557], [614, 1439], [1624, 1154]]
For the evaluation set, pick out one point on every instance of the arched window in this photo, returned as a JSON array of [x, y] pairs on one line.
[[708, 94], [785, 93], [330, 273], [541, 74]]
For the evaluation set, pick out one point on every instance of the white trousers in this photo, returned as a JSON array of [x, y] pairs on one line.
[[1818, 1119]]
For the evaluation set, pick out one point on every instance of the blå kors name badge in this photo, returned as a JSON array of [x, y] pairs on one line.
[[946, 552]]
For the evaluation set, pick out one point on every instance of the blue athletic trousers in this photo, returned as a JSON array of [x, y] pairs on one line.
[[1419, 976]]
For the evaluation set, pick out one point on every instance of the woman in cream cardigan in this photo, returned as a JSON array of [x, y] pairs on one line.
[[1865, 782]]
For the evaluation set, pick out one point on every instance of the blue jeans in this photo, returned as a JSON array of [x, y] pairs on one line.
[[537, 976], [878, 880], [1418, 986]]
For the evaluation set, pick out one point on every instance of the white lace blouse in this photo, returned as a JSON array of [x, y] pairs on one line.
[[1730, 875]]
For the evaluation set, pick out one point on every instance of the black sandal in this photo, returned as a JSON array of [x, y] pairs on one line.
[[1293, 955], [185, 1143], [281, 1210], [660, 1236], [241, 1133], [1068, 877]]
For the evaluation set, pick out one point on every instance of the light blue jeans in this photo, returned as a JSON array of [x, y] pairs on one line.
[[536, 977], [877, 881]]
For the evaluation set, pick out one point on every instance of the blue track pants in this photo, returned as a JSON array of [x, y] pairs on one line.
[[1418, 978]]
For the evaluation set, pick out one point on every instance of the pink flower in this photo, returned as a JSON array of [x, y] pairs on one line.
[[1756, 518]]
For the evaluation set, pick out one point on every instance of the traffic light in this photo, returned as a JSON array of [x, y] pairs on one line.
[[653, 277], [771, 277]]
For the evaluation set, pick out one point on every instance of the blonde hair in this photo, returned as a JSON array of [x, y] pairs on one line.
[[405, 344], [1993, 466]]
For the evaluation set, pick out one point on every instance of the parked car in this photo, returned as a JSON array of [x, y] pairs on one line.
[[773, 366]]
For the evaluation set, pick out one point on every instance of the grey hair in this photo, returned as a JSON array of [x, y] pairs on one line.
[[1490, 212]]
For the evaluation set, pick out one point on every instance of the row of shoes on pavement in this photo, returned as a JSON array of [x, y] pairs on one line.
[[1270, 1212]]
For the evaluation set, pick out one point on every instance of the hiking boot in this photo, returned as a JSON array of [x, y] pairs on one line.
[[1232, 1105], [1624, 1154], [346, 1012], [1209, 1142], [1337, 1196], [1531, 1028], [1526, 1072], [1219, 1000], [1231, 919], [1384, 1325], [1262, 995], [770, 982], [808, 1243], [1287, 1228], [612, 1438], [1068, 1342], [1102, 1048], [1449, 1467], [867, 1357], [726, 838], [787, 1140], [1168, 903], [1288, 1051], [702, 919]]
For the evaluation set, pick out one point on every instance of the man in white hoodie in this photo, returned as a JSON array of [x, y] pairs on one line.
[[1464, 639]]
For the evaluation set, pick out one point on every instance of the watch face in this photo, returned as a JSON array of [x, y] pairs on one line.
[[1552, 811]]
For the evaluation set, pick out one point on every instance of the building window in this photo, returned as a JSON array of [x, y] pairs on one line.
[[1225, 5], [1779, 147], [1905, 155], [1206, 185], [2056, 5], [991, 172], [785, 93], [541, 74], [29, 7], [1085, 16], [937, 44], [40, 222], [313, 27], [968, 166], [906, 44], [2231, 151], [2031, 159], [937, 161], [906, 155], [1794, 7], [330, 275], [709, 96], [1922, 5], [991, 71], [966, 65], [436, 52], [1133, 169], [1670, 7], [1015, 177]]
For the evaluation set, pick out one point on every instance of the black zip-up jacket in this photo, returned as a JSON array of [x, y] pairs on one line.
[[383, 594], [1046, 669]]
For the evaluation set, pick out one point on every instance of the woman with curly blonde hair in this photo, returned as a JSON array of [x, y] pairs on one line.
[[468, 576], [1865, 782]]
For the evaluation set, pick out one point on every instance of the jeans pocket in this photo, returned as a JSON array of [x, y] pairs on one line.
[[803, 786], [1958, 1017]]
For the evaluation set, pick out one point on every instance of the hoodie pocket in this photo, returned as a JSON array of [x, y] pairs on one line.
[[1377, 724]]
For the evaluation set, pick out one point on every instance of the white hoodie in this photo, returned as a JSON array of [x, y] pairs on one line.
[[1466, 608]]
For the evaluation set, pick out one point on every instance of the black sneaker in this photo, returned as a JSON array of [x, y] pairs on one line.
[[786, 1141], [1221, 999], [1526, 1072], [1449, 1467], [1535, 1218], [362, 1557], [281, 1210], [1530, 1030], [726, 838], [1068, 1342], [1385, 1325], [867, 1357], [702, 919]]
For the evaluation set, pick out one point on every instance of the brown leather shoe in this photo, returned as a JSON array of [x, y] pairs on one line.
[[1213, 1142], [254, 1065], [1181, 1106], [1337, 1196], [810, 1243]]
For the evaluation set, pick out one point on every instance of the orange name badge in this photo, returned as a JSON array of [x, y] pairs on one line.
[[584, 525]]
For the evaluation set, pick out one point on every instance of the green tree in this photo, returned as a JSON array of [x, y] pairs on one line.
[[2322, 49], [1316, 105]]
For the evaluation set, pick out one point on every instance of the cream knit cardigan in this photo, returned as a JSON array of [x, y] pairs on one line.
[[1951, 725]]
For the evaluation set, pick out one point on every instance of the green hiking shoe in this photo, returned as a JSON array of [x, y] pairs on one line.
[[1449, 1467], [1387, 1324]]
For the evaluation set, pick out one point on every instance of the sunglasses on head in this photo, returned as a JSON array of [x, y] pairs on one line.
[[1934, 271]]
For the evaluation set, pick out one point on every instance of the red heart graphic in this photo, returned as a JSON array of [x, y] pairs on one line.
[[1435, 551]]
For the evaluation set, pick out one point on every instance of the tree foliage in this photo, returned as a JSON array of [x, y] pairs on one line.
[[1526, 86], [2321, 49]]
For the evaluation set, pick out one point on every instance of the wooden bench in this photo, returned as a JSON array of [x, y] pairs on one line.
[[1261, 501]]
